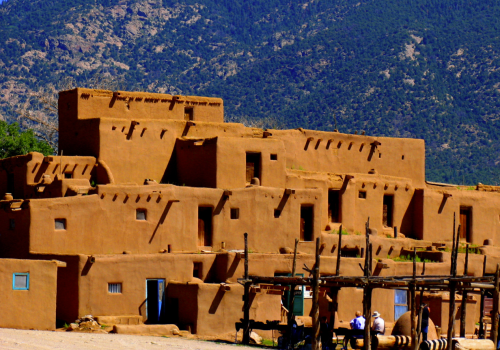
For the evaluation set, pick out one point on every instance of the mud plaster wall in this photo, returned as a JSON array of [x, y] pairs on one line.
[[438, 214], [14, 231], [216, 310], [133, 271], [94, 222], [387, 158], [28, 309]]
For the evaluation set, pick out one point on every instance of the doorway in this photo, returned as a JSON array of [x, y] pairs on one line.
[[205, 226], [155, 297], [387, 210], [466, 223], [306, 223], [253, 166], [334, 206], [298, 295]]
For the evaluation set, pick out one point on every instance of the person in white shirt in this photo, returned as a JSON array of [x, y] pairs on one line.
[[378, 325]]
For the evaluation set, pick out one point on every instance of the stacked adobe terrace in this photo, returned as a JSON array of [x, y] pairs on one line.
[[149, 181]]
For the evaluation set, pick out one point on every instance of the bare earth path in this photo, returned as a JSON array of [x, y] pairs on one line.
[[23, 339]]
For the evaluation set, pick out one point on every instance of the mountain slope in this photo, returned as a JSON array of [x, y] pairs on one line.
[[407, 68]]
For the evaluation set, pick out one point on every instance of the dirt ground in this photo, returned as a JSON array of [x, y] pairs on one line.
[[14, 339]]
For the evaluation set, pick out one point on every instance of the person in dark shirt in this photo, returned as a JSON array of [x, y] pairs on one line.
[[325, 333], [426, 311]]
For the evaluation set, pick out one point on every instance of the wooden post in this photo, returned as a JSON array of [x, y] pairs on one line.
[[494, 312], [420, 308], [481, 311], [452, 247], [367, 245], [246, 298], [414, 302], [315, 301], [367, 306], [291, 290], [339, 251], [463, 313]]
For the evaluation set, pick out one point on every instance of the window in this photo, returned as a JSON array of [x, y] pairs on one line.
[[21, 281], [68, 175], [306, 222], [235, 213], [362, 194], [114, 288], [274, 156], [12, 224], [60, 224], [140, 214], [400, 303]]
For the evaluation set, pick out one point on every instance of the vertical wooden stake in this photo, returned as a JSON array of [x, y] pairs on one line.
[[494, 312], [481, 311], [367, 246], [414, 302], [246, 298], [367, 306], [315, 301], [292, 292], [452, 246], [463, 313], [339, 251], [451, 315], [420, 309]]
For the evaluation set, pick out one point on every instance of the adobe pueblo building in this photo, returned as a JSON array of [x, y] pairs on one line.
[[142, 219]]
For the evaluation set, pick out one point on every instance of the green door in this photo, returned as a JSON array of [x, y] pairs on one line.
[[298, 302]]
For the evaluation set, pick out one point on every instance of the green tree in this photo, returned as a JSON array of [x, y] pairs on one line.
[[14, 142]]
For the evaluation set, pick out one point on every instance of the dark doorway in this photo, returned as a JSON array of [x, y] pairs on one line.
[[205, 226], [10, 183], [197, 269], [466, 223], [188, 113], [306, 222], [253, 166], [387, 210], [334, 206], [155, 297]]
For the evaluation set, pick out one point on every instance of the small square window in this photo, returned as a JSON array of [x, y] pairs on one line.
[[235, 213], [21, 281], [68, 175], [114, 288], [140, 214], [362, 194], [277, 213], [274, 156], [12, 224], [60, 224]]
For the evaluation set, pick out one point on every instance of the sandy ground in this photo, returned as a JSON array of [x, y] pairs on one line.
[[24, 339]]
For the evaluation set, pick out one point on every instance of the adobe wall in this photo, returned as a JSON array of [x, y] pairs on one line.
[[132, 270], [34, 308], [226, 156], [355, 210], [214, 310], [333, 152], [14, 229], [438, 214], [106, 223], [37, 176]]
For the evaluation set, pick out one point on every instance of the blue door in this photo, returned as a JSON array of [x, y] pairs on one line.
[[155, 296], [400, 303]]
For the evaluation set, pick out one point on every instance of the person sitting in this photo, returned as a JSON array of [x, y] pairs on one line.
[[378, 326], [357, 323]]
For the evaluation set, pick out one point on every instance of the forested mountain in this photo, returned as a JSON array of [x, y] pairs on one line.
[[405, 68]]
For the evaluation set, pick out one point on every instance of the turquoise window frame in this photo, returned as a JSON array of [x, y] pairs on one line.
[[14, 275]]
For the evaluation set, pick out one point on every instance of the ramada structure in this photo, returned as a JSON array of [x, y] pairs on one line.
[[141, 218]]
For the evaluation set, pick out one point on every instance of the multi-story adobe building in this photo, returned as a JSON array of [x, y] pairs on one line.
[[142, 217]]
